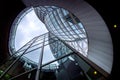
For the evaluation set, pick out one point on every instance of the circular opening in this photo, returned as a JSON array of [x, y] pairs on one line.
[[58, 21]]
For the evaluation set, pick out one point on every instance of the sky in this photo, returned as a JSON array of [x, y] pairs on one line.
[[29, 27]]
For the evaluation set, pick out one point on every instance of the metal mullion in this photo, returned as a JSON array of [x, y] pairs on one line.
[[56, 22], [62, 25], [15, 61], [49, 25], [44, 45], [39, 47], [81, 29], [76, 23], [77, 45], [42, 16], [19, 49], [58, 59], [72, 40], [65, 43], [36, 44], [42, 35], [22, 74], [72, 44], [80, 47], [69, 30], [39, 39], [27, 44], [39, 43], [43, 8], [58, 48], [54, 9], [67, 23], [72, 31], [39, 13], [46, 11], [30, 47], [35, 49], [66, 34], [76, 28], [33, 44], [65, 27], [42, 66], [53, 23], [40, 62], [77, 40], [90, 63]]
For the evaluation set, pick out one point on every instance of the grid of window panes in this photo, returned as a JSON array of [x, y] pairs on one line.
[[59, 49], [42, 11], [66, 26]]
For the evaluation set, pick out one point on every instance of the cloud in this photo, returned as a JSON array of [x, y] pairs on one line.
[[30, 27]]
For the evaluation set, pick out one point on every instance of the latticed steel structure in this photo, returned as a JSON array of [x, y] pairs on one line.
[[65, 25], [65, 55], [78, 53]]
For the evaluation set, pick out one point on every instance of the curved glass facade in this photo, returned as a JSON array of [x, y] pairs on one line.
[[64, 25], [58, 49]]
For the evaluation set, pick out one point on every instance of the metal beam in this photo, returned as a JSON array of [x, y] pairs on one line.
[[1, 76], [90, 63], [40, 62], [22, 74], [42, 66]]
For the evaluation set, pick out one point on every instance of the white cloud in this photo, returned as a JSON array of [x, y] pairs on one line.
[[29, 27]]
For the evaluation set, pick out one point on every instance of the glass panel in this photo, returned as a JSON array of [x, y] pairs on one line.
[[47, 55], [34, 55]]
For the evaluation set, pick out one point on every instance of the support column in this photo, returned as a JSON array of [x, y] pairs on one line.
[[40, 61]]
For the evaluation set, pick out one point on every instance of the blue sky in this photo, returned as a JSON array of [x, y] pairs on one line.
[[29, 27]]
